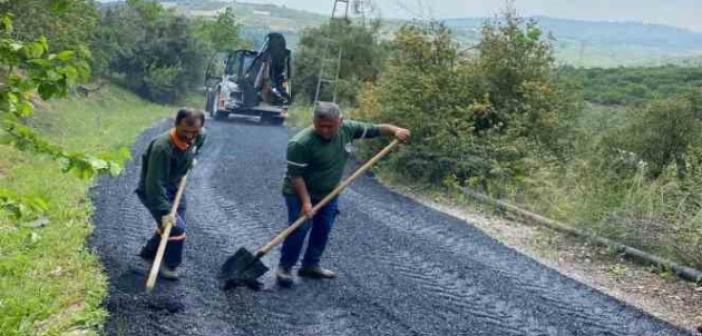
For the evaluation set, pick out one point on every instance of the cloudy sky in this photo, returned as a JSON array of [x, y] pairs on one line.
[[681, 13]]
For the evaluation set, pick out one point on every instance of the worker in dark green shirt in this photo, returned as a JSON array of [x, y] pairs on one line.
[[167, 159], [316, 157]]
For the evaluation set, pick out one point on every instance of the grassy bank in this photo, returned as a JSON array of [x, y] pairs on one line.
[[50, 283]]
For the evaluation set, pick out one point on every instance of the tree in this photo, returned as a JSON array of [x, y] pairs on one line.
[[156, 51], [485, 116], [222, 34], [361, 58], [517, 69], [662, 133], [68, 24], [424, 88]]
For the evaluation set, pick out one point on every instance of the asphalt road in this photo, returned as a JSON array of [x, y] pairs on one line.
[[404, 269]]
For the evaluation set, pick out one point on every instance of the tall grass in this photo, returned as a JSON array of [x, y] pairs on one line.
[[50, 283], [662, 215]]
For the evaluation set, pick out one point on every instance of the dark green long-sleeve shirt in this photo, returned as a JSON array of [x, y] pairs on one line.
[[321, 162], [163, 166]]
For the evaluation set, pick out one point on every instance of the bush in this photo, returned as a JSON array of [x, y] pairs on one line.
[[68, 24], [636, 85], [361, 60], [479, 116], [662, 133], [161, 56], [637, 178]]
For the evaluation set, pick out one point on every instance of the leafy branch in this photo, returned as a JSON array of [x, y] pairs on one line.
[[28, 69], [21, 206]]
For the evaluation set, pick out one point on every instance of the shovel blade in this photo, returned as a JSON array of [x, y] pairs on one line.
[[243, 268]]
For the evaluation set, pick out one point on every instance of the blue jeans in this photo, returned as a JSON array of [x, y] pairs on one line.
[[320, 225]]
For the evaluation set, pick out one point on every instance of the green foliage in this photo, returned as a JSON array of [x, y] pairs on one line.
[[83, 165], [662, 133], [512, 54], [636, 85], [68, 24], [29, 67], [222, 34], [21, 206], [516, 68], [423, 89], [481, 116], [50, 283], [361, 59], [160, 55], [636, 177]]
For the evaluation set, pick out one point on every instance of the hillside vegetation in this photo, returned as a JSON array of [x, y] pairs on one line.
[[637, 85], [509, 121], [50, 283]]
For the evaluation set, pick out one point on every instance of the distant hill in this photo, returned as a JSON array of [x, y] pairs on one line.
[[601, 43], [581, 43], [605, 32], [257, 19]]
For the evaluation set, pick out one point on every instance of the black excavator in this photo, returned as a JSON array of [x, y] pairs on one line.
[[251, 83]]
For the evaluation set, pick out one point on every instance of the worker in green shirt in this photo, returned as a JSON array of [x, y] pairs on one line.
[[316, 157], [167, 159]]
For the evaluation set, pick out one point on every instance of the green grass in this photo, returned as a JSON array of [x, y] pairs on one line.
[[50, 283]]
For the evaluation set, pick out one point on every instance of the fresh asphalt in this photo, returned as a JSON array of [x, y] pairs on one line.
[[404, 269]]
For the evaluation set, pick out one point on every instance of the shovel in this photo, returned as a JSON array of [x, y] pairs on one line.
[[244, 267], [167, 226]]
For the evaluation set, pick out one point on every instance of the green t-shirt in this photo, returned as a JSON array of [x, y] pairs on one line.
[[163, 165], [321, 162]]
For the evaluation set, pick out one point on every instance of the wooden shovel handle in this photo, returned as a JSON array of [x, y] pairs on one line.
[[285, 233], [167, 226]]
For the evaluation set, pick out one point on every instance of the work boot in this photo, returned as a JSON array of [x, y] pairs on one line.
[[316, 272], [284, 277], [147, 255], [169, 273]]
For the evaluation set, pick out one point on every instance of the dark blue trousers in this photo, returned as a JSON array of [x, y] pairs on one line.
[[173, 256], [318, 228]]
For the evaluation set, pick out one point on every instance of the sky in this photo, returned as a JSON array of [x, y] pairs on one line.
[[680, 13]]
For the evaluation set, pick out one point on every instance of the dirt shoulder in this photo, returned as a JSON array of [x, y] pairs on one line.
[[662, 295]]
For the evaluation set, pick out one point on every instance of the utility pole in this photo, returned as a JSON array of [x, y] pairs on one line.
[[330, 60]]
